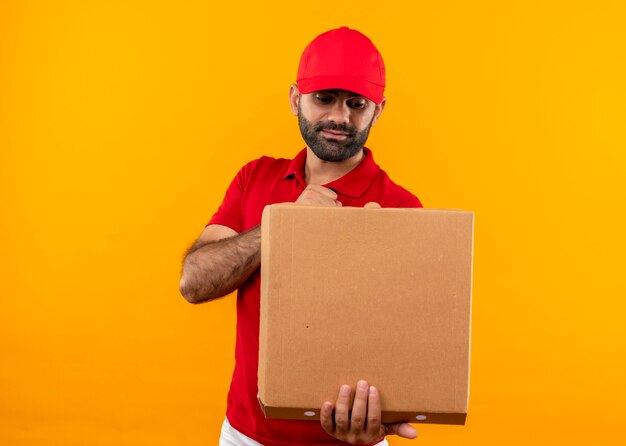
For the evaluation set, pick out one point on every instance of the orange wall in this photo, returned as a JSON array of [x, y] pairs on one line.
[[122, 123]]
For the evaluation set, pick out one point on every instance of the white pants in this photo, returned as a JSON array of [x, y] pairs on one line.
[[232, 437]]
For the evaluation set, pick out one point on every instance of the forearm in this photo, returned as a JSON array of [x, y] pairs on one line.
[[216, 268]]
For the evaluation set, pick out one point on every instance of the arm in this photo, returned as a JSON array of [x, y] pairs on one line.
[[219, 262], [222, 259]]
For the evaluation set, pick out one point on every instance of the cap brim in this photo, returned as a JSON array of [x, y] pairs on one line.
[[371, 91]]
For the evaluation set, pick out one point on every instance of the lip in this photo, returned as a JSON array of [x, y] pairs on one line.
[[332, 134]]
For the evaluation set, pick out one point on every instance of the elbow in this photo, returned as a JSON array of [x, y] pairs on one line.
[[191, 297], [192, 294]]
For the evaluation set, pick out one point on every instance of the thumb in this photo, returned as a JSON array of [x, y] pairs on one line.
[[403, 430]]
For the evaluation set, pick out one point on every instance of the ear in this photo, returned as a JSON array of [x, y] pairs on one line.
[[294, 99], [379, 110]]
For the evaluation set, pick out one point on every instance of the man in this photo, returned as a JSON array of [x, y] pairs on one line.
[[337, 98]]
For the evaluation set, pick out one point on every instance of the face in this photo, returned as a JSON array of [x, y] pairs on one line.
[[335, 124]]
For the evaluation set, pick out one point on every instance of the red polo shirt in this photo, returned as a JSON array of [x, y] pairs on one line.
[[259, 183]]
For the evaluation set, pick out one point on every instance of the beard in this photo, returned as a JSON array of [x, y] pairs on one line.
[[331, 150]]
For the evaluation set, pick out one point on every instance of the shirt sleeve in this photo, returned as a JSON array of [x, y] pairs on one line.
[[229, 212]]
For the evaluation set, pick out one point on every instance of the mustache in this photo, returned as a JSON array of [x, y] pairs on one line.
[[351, 130]]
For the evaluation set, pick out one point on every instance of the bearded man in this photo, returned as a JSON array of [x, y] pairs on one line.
[[338, 96]]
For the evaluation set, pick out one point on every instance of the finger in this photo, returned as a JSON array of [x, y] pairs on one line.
[[359, 408], [325, 195], [407, 431], [314, 197], [326, 417], [403, 430], [372, 205], [342, 409], [373, 411], [338, 203], [324, 191]]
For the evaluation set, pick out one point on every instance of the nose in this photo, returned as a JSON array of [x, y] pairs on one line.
[[339, 113]]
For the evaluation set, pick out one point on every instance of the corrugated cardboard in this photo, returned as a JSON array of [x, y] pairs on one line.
[[377, 294]]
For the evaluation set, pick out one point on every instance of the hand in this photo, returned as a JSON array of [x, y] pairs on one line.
[[315, 194], [364, 425]]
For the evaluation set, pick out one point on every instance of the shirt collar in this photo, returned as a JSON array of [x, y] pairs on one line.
[[296, 167], [353, 184]]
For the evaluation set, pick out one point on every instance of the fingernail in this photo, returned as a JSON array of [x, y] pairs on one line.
[[362, 385], [372, 390], [345, 390]]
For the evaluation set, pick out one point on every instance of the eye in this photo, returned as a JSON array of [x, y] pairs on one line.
[[323, 98], [357, 103]]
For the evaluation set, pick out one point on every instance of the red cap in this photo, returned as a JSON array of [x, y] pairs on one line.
[[345, 59]]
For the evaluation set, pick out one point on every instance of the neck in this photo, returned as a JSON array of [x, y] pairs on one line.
[[318, 171]]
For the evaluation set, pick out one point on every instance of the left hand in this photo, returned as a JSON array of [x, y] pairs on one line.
[[364, 425]]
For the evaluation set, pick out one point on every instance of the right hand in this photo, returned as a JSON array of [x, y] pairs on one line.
[[319, 195]]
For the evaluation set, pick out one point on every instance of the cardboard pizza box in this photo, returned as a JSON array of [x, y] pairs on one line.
[[364, 293]]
